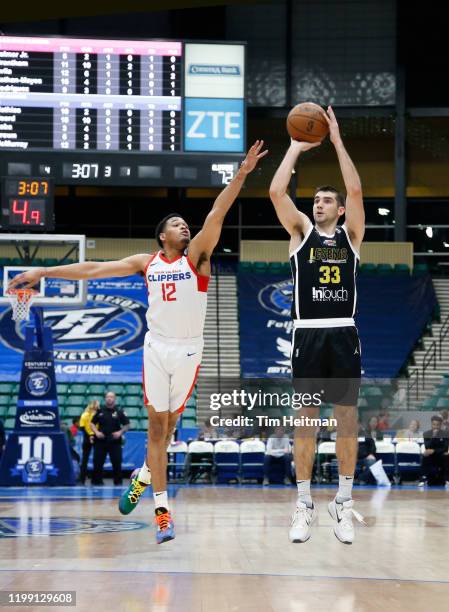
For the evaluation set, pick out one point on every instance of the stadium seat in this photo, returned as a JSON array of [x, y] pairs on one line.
[[76, 400], [143, 424], [430, 403], [78, 389], [275, 267], [384, 269], [408, 460], [5, 400], [252, 455], [227, 461], [200, 460], [325, 456], [189, 412], [177, 454], [245, 266], [191, 402], [3, 412], [63, 389], [133, 390], [9, 423], [420, 269], [132, 402], [188, 422], [401, 269], [132, 412], [96, 390], [386, 452], [442, 403], [6, 388], [260, 267], [368, 269], [11, 411], [73, 411]]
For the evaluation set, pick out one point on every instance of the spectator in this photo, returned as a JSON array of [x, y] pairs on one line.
[[70, 437], [412, 433], [444, 415], [75, 426], [108, 424], [2, 437], [383, 422], [88, 436], [435, 459], [278, 449], [207, 431], [366, 457], [372, 429]]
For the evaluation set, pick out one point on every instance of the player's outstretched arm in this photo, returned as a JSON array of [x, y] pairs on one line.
[[86, 270], [355, 213], [294, 221], [207, 238]]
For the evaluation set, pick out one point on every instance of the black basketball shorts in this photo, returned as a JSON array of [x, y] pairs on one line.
[[327, 361]]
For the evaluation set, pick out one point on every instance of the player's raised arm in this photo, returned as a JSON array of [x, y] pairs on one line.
[[207, 238], [355, 213], [294, 221], [85, 270]]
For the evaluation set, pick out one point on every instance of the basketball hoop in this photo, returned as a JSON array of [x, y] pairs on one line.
[[21, 302]]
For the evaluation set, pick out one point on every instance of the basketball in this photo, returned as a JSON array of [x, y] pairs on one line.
[[306, 121]]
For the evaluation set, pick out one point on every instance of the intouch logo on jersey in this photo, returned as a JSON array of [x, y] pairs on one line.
[[322, 294]]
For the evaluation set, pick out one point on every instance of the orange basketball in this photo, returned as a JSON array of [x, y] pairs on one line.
[[307, 122]]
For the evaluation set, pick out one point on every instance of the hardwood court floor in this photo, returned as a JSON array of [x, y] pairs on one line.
[[231, 552]]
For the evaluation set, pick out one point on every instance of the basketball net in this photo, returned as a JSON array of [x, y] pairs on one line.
[[21, 300]]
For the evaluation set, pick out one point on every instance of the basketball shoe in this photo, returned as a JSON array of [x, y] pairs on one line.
[[131, 497], [342, 516], [302, 521], [165, 528]]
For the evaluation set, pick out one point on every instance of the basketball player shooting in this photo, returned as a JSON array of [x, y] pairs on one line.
[[325, 343], [177, 278]]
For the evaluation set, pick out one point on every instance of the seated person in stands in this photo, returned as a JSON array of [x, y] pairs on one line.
[[412, 432], [278, 450], [372, 429], [383, 421], [444, 415], [366, 457], [435, 461], [207, 432]]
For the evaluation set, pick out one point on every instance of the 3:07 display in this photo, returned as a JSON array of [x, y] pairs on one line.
[[86, 171]]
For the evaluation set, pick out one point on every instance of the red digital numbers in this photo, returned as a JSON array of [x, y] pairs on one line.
[[22, 208]]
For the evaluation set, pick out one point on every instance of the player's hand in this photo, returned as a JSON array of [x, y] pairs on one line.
[[116, 435], [252, 157], [334, 130], [428, 451], [301, 145], [100, 435], [26, 279]]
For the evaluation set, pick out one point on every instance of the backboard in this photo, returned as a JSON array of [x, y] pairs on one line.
[[20, 252]]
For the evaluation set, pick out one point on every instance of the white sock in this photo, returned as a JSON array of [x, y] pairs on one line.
[[144, 475], [304, 492], [344, 492], [160, 500]]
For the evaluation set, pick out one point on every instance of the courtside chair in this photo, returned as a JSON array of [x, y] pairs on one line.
[[252, 455], [177, 459], [386, 452], [408, 460], [227, 461], [200, 459]]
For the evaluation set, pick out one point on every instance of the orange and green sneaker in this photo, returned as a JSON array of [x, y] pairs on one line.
[[165, 528], [131, 497]]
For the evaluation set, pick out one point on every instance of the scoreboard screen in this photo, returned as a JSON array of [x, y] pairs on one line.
[[120, 111]]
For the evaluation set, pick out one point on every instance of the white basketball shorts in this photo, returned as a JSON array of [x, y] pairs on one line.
[[170, 370]]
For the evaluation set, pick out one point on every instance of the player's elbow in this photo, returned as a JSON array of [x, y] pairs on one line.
[[276, 193]]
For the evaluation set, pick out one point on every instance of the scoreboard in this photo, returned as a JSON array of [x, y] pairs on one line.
[[121, 112]]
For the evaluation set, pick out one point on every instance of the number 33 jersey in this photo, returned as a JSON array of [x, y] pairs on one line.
[[324, 272], [177, 297]]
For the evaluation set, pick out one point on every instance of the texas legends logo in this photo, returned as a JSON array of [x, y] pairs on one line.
[[107, 326]]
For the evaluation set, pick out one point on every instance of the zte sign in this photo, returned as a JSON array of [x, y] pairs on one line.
[[214, 125]]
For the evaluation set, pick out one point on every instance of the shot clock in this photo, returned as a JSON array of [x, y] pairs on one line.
[[27, 204]]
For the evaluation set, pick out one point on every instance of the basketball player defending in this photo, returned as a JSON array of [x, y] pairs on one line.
[[325, 344], [177, 278]]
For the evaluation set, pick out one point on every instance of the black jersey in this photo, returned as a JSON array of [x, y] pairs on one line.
[[324, 270]]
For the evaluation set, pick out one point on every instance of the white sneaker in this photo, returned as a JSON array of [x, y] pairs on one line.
[[301, 525], [342, 515]]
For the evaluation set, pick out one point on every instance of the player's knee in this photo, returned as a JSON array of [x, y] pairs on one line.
[[158, 431]]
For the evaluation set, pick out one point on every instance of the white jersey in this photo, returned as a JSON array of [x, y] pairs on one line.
[[177, 297]]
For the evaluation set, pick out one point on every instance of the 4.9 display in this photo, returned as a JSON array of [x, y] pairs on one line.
[[27, 204]]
